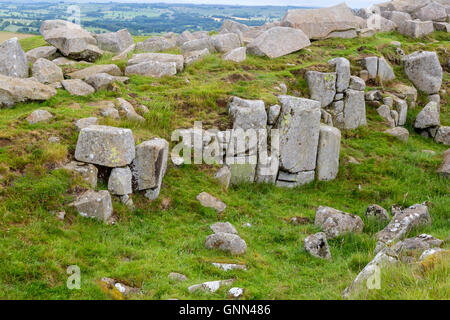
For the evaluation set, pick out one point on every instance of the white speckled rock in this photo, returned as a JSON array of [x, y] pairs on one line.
[[106, 146], [322, 86], [87, 171], [77, 87], [354, 109], [424, 70], [119, 182], [335, 223], [13, 61], [342, 66], [39, 116], [317, 246], [228, 242], [209, 201], [96, 205], [428, 117], [237, 55], [46, 71]]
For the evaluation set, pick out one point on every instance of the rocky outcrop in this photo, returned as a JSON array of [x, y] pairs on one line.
[[14, 90], [415, 28], [156, 44], [46, 71], [82, 74], [13, 61], [47, 52], [424, 70], [278, 41], [226, 42], [236, 55], [159, 57], [115, 42], [327, 166], [152, 69], [77, 87]]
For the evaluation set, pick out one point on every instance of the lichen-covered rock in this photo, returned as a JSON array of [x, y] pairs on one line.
[[292, 180], [335, 223], [77, 87], [119, 182], [85, 122], [236, 55], [209, 201], [115, 41], [432, 11], [322, 86], [299, 124], [317, 245], [150, 164], [356, 83], [278, 41], [97, 205], [105, 146], [371, 65], [385, 112], [377, 212], [354, 109], [192, 56], [13, 61], [110, 69], [156, 44], [273, 114], [444, 168], [342, 66], [14, 90], [228, 242], [87, 171], [402, 223], [424, 70], [39, 116], [224, 227], [385, 71], [419, 244], [328, 153], [428, 117], [443, 135], [103, 81], [210, 286], [198, 45], [247, 114], [70, 39]]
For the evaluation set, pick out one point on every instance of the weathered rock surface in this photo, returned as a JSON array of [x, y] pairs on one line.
[[416, 244], [150, 164], [115, 41], [278, 41], [224, 227], [443, 135], [226, 42], [342, 66], [299, 124], [87, 171], [159, 57], [13, 61], [247, 114], [428, 117], [327, 166], [119, 182], [82, 74], [196, 55], [103, 81], [210, 286], [46, 71], [92, 204], [444, 168], [152, 69], [14, 90], [85, 122], [39, 116], [377, 212], [355, 109], [356, 83], [317, 245], [228, 242], [402, 223], [77, 87], [156, 44], [415, 28], [210, 201], [236, 55], [47, 52], [71, 40], [320, 23], [424, 71], [335, 223], [175, 276], [399, 133], [432, 11], [322, 86], [105, 146], [385, 71], [198, 45]]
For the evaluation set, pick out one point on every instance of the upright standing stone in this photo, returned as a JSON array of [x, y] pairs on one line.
[[343, 73], [328, 153], [298, 123], [13, 61], [424, 70], [354, 109], [322, 86], [119, 182]]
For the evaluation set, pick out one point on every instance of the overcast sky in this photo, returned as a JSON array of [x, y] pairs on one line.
[[308, 3]]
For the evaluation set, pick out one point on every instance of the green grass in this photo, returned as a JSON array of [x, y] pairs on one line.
[[146, 245]]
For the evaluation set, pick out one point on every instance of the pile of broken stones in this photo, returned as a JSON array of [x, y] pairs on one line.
[[392, 246], [131, 168]]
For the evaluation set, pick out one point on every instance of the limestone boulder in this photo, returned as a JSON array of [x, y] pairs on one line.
[[13, 61], [77, 87], [443, 135], [71, 40], [424, 70], [156, 44], [433, 11], [416, 28], [354, 109], [106, 146], [320, 23], [335, 223], [385, 71], [87, 171], [209, 201], [429, 117], [159, 57], [342, 66], [399, 132], [278, 41], [82, 74], [119, 182], [46, 71], [152, 69], [317, 246], [96, 205], [46, 52], [196, 55], [39, 116], [236, 55], [224, 227], [197, 45], [85, 122], [14, 90], [226, 42], [247, 114], [228, 242], [115, 41]]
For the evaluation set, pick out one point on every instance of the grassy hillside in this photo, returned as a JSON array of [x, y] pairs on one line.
[[146, 245]]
